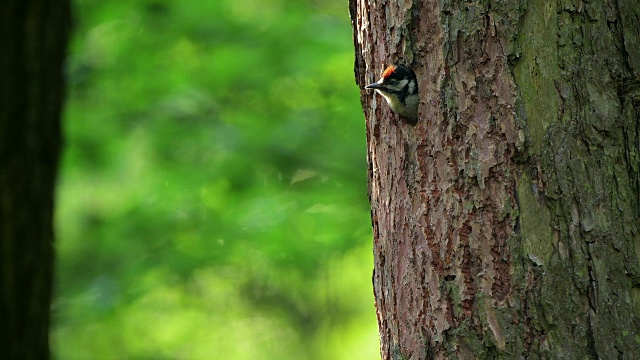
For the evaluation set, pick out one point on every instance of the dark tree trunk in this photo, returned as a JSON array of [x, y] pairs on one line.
[[506, 222], [33, 37]]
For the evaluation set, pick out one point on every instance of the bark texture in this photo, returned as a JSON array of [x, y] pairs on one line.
[[33, 37], [506, 221]]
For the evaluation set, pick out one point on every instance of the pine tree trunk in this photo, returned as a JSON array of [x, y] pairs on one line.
[[506, 222], [33, 36]]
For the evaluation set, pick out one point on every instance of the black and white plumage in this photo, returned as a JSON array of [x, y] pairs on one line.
[[399, 86]]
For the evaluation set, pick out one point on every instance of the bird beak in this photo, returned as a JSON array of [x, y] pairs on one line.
[[374, 86]]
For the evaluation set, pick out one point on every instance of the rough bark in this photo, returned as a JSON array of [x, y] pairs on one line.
[[33, 36], [506, 221]]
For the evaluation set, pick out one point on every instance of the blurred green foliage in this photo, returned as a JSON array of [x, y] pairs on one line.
[[212, 201]]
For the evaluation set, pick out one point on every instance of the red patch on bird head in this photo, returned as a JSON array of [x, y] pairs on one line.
[[388, 71]]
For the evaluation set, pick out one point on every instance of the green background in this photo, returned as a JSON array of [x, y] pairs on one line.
[[212, 202]]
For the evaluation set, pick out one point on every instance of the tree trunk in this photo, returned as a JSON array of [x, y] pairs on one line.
[[506, 221], [33, 36]]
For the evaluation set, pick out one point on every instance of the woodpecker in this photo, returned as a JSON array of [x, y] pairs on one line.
[[399, 86]]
